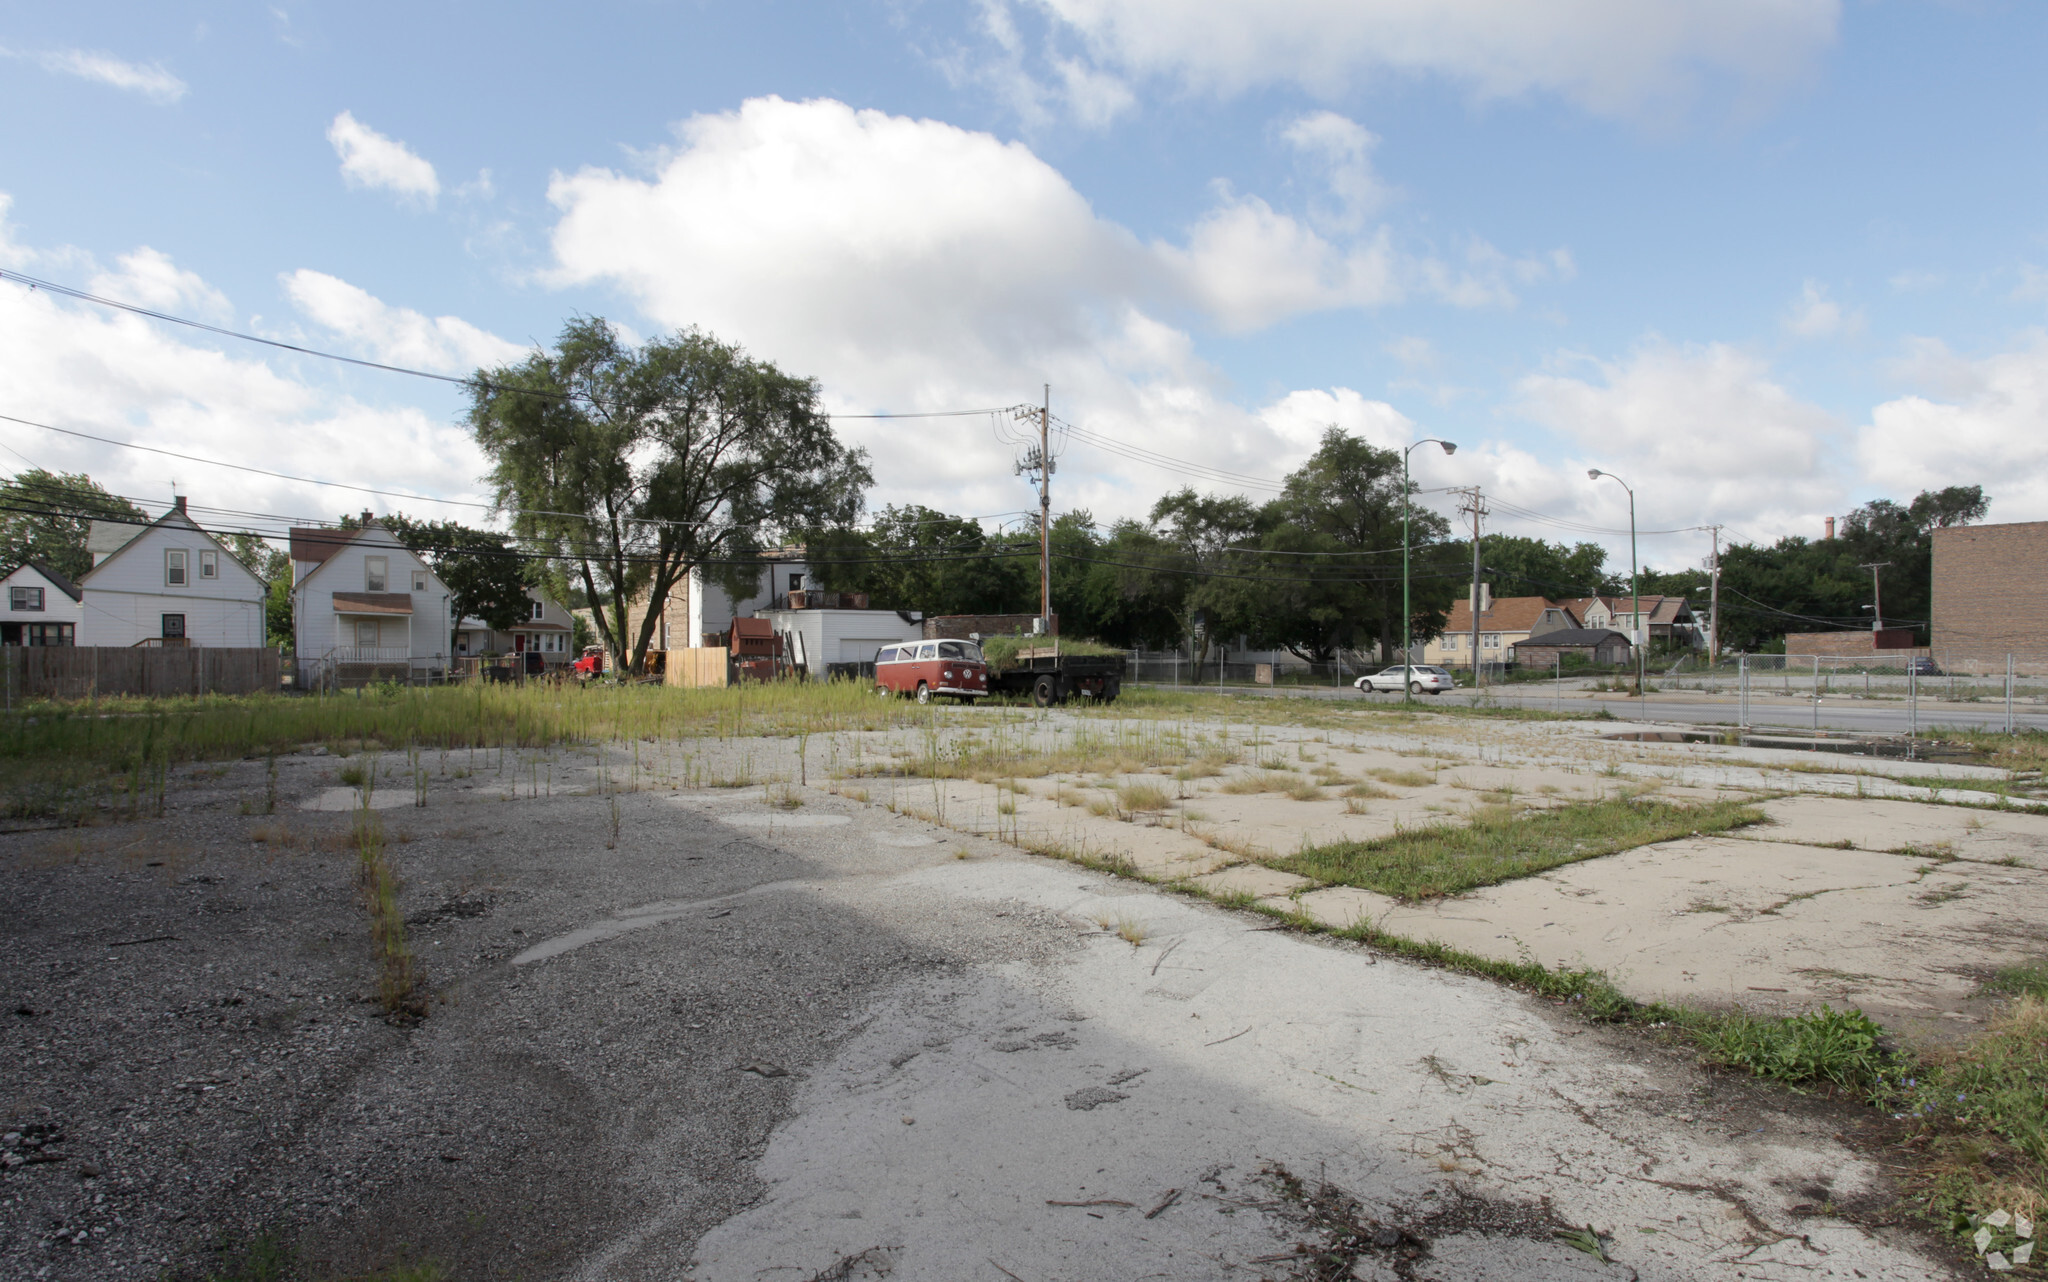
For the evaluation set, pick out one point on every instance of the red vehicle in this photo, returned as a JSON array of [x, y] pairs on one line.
[[591, 664], [922, 669]]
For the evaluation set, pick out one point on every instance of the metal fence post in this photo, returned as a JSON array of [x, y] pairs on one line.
[[2008, 694], [1912, 700], [1816, 694], [1742, 692]]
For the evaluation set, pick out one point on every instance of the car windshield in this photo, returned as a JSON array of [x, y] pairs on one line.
[[960, 650]]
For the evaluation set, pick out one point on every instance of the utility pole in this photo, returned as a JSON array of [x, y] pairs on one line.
[[1045, 513], [1714, 603], [1473, 503], [1876, 601]]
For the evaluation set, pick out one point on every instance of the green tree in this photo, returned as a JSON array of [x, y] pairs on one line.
[[1516, 565], [629, 467], [486, 576], [45, 516], [1333, 541], [916, 558], [273, 565]]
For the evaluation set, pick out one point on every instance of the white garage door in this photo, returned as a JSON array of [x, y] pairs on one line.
[[855, 650]]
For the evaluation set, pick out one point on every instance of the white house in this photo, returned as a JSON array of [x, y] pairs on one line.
[[38, 606], [545, 631], [364, 606], [823, 637], [167, 583]]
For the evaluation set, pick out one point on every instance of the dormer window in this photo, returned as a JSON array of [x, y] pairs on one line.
[[539, 611], [174, 567], [419, 580], [209, 565], [376, 573]]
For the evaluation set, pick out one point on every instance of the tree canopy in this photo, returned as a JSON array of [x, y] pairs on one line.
[[486, 576], [628, 467], [45, 516]]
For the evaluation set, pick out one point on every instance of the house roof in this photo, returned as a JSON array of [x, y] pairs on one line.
[[318, 542], [176, 516], [58, 581], [1656, 607], [1588, 638], [1506, 614], [373, 603]]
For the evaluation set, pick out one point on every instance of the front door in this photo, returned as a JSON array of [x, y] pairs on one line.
[[519, 643]]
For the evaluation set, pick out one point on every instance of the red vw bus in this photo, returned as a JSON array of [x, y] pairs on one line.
[[922, 669]]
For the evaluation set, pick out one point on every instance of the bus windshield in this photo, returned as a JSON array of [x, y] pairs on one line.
[[960, 650]]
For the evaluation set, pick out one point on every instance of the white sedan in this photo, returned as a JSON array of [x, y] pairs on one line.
[[1419, 679]]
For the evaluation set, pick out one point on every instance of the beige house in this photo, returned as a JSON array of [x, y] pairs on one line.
[[1503, 621]]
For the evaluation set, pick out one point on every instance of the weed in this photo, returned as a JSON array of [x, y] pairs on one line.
[[783, 795], [1354, 806], [1402, 778], [1367, 792], [1495, 846], [353, 775], [1305, 790], [1944, 895], [1006, 806], [2029, 979], [1839, 1048], [399, 989], [1140, 797], [1263, 781]]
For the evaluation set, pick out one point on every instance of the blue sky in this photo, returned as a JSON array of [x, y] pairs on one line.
[[1765, 258]]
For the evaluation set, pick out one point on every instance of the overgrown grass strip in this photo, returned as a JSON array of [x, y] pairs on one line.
[[1497, 845]]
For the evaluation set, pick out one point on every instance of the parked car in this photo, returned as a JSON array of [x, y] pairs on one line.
[[1923, 666], [1419, 678], [922, 669], [591, 664]]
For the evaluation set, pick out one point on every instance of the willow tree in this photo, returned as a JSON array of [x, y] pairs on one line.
[[629, 467]]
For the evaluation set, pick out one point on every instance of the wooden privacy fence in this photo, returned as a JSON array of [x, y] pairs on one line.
[[695, 667], [83, 672]]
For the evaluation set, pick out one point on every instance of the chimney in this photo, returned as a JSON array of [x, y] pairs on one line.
[[1831, 527]]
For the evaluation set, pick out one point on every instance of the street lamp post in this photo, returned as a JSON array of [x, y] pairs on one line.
[[1637, 632], [1407, 613]]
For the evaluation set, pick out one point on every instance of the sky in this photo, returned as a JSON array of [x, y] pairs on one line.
[[1764, 260]]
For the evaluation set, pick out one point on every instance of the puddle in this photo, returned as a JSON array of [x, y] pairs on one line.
[[1895, 749]]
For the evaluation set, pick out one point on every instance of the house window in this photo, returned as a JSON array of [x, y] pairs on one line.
[[537, 612], [419, 580], [366, 634], [25, 598], [1491, 641], [174, 567], [796, 582], [209, 565], [174, 627], [1453, 642], [49, 634], [376, 573]]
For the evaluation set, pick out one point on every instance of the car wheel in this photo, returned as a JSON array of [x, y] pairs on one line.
[[1414, 687], [924, 693]]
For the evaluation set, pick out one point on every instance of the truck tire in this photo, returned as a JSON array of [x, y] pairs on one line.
[[1045, 692], [924, 693], [1111, 689]]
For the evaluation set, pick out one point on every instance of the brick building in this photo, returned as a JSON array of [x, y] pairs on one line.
[[1991, 597], [1893, 645]]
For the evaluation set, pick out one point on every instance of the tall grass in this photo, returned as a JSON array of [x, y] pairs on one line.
[[1499, 845]]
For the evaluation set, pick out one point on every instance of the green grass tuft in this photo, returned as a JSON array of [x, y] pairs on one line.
[[1497, 846]]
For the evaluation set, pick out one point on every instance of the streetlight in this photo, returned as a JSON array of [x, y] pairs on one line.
[[1408, 614], [1637, 632]]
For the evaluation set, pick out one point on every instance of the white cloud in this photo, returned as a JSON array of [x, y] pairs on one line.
[[149, 278], [1613, 57], [396, 335], [1704, 434], [369, 159], [1814, 315], [910, 264], [1993, 431], [1249, 265], [1342, 148], [118, 375], [150, 80]]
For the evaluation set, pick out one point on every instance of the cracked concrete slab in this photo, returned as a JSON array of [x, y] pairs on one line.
[[1986, 836]]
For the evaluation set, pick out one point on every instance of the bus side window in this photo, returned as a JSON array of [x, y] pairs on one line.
[[887, 654], [929, 651]]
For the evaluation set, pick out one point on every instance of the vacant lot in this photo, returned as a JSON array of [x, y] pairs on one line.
[[665, 986]]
